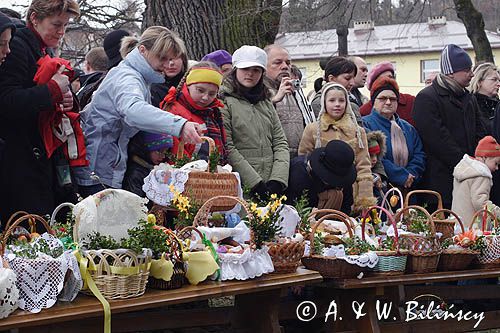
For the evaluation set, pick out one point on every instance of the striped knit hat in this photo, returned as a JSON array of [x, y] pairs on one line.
[[487, 147], [454, 59], [156, 142]]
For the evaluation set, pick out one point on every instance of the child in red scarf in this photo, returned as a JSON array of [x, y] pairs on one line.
[[196, 100]]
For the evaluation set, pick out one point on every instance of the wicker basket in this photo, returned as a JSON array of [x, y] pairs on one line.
[[330, 267], [178, 278], [204, 185], [455, 259], [117, 274], [424, 250], [286, 256], [389, 262], [442, 225], [490, 258]]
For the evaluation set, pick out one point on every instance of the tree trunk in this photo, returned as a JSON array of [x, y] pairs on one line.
[[342, 32], [208, 25], [474, 24]]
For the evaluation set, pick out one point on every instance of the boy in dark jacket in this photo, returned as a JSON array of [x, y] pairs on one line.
[[145, 151]]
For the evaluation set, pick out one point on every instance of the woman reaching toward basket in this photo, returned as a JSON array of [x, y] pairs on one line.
[[195, 99], [121, 108], [257, 146]]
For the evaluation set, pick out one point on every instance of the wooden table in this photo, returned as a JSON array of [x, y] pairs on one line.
[[256, 308], [396, 290]]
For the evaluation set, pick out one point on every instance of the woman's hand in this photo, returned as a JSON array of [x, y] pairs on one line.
[[61, 80], [191, 133], [67, 103], [409, 181]]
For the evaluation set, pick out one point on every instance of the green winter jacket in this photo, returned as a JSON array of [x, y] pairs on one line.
[[257, 146]]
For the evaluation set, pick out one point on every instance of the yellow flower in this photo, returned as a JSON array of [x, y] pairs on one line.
[[253, 207], [151, 219], [274, 196], [283, 198]]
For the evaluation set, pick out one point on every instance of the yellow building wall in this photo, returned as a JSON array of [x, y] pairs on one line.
[[407, 69]]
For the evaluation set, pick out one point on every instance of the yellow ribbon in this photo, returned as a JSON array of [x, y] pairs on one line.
[[88, 283]]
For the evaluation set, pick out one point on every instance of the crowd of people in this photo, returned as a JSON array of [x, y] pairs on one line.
[[67, 132]]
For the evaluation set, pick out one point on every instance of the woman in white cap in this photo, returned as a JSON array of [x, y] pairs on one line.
[[257, 146]]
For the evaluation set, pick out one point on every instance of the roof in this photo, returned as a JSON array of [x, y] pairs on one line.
[[385, 39]]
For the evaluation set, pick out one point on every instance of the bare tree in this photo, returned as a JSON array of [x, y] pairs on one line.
[[474, 24], [207, 25]]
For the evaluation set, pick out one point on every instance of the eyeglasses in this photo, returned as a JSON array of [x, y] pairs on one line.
[[494, 79], [384, 99]]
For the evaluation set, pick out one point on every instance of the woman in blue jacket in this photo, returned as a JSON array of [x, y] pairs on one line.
[[404, 161]]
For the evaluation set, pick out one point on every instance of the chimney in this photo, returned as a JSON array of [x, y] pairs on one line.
[[363, 26], [436, 21]]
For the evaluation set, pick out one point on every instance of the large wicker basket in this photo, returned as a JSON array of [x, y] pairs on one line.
[[390, 262], [117, 274], [455, 259], [490, 258], [424, 250], [330, 267], [444, 226], [204, 185]]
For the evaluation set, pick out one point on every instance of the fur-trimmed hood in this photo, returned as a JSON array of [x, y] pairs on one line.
[[381, 139]]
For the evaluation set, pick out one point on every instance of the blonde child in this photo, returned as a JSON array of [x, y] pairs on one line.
[[195, 99], [472, 180], [337, 122]]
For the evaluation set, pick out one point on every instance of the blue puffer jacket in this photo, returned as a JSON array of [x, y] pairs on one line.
[[119, 109], [416, 156]]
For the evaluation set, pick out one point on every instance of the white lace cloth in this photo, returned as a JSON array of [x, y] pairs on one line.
[[9, 294], [43, 280], [368, 259], [248, 265], [110, 212]]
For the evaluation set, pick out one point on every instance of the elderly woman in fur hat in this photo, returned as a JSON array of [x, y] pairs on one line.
[[337, 122], [404, 161]]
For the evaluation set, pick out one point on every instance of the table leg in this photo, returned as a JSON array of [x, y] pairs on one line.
[[257, 312]]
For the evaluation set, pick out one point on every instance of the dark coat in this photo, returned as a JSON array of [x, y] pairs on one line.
[[449, 126], [27, 179], [300, 180], [487, 106]]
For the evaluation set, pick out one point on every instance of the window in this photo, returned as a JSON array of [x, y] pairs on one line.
[[427, 67]]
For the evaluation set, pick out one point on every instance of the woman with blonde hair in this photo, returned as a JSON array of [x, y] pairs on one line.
[[484, 85], [121, 108], [28, 174]]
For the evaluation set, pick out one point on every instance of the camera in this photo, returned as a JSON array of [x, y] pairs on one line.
[[296, 83]]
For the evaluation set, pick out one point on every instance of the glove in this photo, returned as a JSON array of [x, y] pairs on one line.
[[260, 191], [275, 187]]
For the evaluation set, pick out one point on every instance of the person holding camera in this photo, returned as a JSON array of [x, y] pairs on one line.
[[294, 111]]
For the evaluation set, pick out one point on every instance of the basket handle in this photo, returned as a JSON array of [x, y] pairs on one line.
[[201, 218], [57, 209], [485, 212], [444, 210], [338, 215], [389, 216], [434, 193], [430, 222], [211, 147], [16, 215], [386, 203], [32, 218]]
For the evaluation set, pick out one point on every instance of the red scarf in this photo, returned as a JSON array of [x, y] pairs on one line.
[[59, 128]]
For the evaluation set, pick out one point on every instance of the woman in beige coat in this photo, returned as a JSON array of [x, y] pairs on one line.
[[337, 122]]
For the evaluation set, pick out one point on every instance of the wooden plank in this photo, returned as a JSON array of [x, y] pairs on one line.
[[408, 279], [88, 307], [472, 292]]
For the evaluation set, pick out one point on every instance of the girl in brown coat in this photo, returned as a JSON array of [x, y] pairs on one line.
[[337, 122]]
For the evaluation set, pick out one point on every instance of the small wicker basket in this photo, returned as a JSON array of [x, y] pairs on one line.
[[390, 262], [490, 258], [442, 225], [330, 267], [178, 278], [424, 250], [204, 185], [117, 274], [455, 259]]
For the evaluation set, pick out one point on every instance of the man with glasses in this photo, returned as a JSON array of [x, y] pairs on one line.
[[447, 117]]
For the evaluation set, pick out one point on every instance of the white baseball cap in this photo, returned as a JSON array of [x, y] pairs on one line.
[[249, 56]]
